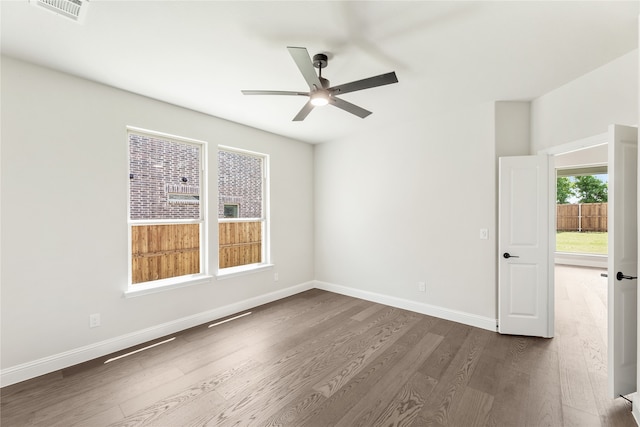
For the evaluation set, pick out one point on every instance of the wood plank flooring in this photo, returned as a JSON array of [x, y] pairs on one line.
[[322, 359]]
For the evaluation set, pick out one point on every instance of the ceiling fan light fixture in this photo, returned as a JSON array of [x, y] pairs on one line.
[[320, 90], [319, 98]]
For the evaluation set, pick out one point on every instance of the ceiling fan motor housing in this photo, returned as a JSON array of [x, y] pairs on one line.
[[320, 60]]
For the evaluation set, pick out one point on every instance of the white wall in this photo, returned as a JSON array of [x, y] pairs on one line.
[[512, 128], [405, 204], [597, 155], [64, 214], [395, 207], [587, 105], [636, 411]]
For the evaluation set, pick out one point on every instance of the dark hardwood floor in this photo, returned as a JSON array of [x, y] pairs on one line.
[[322, 359]]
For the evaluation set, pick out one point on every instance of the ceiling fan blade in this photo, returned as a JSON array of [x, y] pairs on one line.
[[381, 80], [302, 114], [349, 107], [273, 92], [303, 61]]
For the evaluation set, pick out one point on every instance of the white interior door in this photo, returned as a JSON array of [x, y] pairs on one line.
[[623, 259], [523, 285]]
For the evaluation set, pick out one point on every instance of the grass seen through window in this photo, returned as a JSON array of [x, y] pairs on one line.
[[585, 242]]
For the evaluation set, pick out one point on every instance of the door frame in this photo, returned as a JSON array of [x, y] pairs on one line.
[[551, 152]]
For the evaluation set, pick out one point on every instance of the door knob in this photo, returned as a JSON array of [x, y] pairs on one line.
[[507, 255], [621, 276]]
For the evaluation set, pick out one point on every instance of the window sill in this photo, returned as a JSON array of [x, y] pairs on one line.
[[242, 270], [165, 285]]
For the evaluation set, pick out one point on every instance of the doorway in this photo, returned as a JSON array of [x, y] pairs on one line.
[[581, 207], [621, 254], [580, 290], [589, 152], [581, 250], [527, 232]]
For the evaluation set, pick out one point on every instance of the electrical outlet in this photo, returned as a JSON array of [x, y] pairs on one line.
[[422, 287], [275, 277], [484, 234], [94, 320]]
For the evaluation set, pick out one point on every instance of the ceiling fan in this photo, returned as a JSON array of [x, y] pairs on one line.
[[320, 93]]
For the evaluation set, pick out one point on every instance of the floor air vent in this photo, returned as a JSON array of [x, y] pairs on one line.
[[72, 9]]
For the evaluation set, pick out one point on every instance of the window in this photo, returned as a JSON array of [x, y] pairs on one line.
[[242, 210], [582, 210], [231, 211], [166, 179]]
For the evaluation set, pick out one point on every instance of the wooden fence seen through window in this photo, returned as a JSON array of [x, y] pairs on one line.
[[582, 217]]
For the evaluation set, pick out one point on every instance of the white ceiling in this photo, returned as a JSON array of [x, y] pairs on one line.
[[447, 54]]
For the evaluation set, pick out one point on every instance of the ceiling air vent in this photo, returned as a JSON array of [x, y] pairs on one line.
[[72, 9]]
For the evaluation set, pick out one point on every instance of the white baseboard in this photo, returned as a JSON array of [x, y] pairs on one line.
[[63, 360], [418, 307]]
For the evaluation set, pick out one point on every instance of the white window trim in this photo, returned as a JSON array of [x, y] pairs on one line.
[[145, 288], [241, 270]]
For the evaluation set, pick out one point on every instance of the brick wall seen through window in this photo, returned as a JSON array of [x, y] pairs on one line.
[[240, 183], [164, 178]]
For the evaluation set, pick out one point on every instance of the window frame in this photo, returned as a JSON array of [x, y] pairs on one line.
[[203, 276], [223, 273]]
